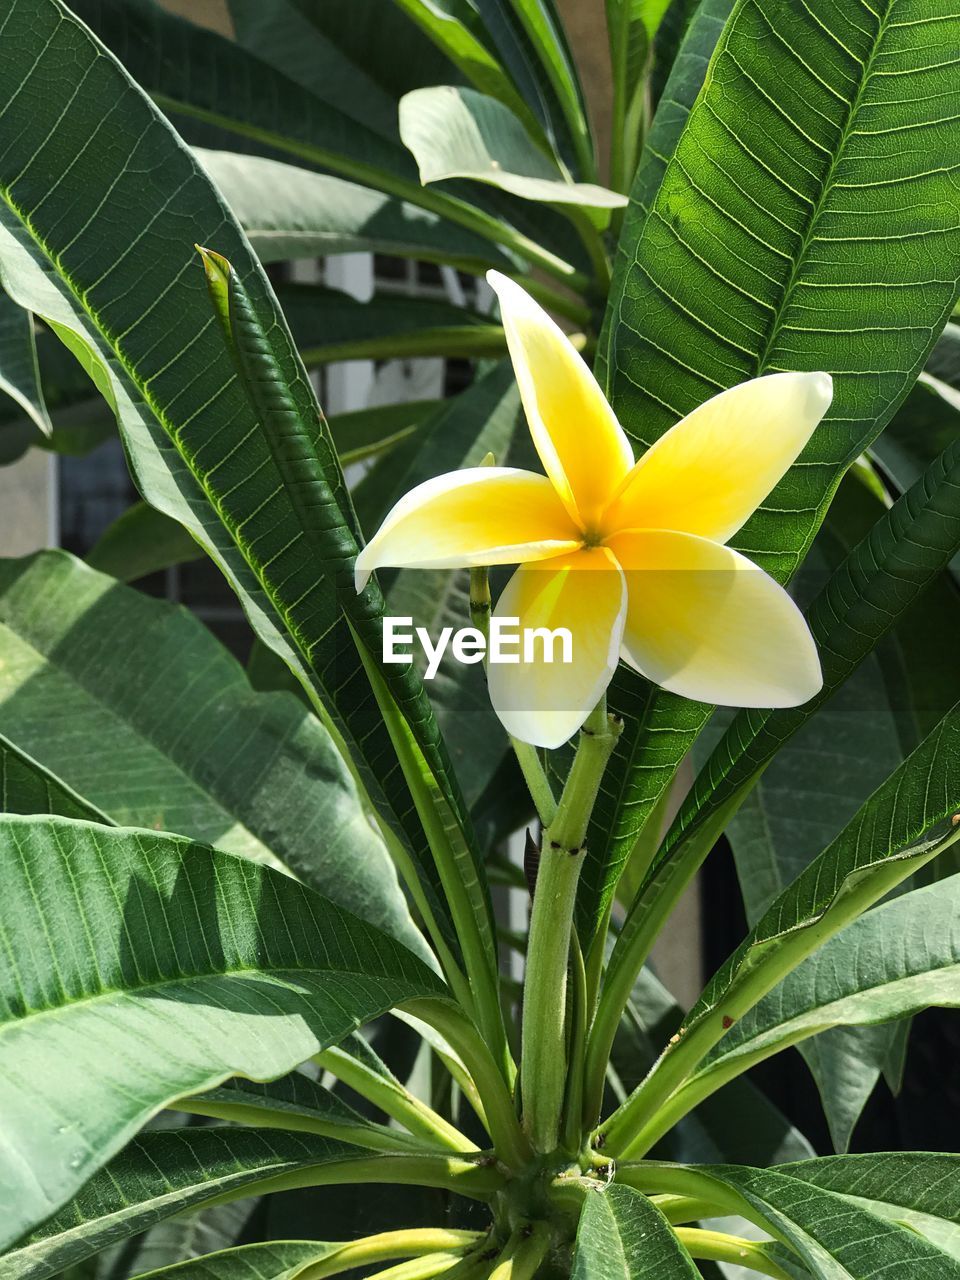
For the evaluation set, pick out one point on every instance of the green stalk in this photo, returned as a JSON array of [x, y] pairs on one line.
[[388, 1245], [502, 1124], [393, 1099], [717, 1246], [523, 1253], [479, 953], [716, 1198], [544, 1051]]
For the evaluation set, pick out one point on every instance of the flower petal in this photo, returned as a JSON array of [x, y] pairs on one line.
[[580, 442], [546, 703], [712, 470], [480, 515], [705, 622]]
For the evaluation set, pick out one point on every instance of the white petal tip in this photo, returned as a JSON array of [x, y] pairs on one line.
[[361, 576]]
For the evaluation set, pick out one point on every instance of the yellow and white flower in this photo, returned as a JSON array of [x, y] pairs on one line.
[[629, 556]]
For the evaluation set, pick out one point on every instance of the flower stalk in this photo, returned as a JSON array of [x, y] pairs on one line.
[[543, 1072]]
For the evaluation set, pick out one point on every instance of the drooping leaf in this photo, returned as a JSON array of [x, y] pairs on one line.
[[142, 967], [459, 133], [196, 751], [19, 372], [141, 541], [180, 407], [188, 1237], [782, 236], [622, 1236], [160, 1174], [288, 212]]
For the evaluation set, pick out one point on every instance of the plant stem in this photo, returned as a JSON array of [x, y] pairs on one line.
[[544, 1056], [391, 1097], [420, 1268], [717, 1246], [717, 1199], [387, 1245], [502, 1124], [523, 1253]]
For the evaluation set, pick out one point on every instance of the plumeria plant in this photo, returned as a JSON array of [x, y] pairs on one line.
[[267, 1007]]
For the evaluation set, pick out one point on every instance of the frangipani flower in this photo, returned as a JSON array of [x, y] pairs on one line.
[[629, 556]]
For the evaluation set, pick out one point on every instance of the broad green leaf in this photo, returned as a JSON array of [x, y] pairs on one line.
[[19, 372], [915, 1187], [141, 541], [177, 1240], [329, 324], [195, 751], [629, 794], [908, 821], [622, 1236], [170, 382], [897, 959], [288, 212], [783, 236], [161, 1174], [459, 133], [926, 424], [143, 967], [872, 590], [683, 84], [27, 787], [835, 1238], [319, 511]]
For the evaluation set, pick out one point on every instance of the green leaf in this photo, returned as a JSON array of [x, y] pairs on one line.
[[141, 541], [271, 1260], [27, 787], [369, 433], [213, 81], [917, 1188], [19, 372], [873, 589], [455, 27], [630, 793], [622, 1236], [899, 958], [329, 325], [835, 1238], [908, 821], [181, 409], [178, 1240], [288, 212], [150, 967], [459, 133], [683, 84], [161, 1174], [541, 23], [255, 774], [783, 236]]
